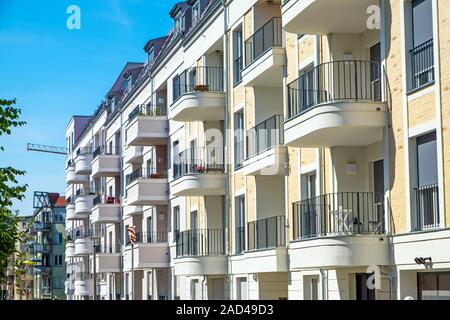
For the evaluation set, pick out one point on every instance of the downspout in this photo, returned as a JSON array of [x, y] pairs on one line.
[[122, 195], [323, 281], [225, 144]]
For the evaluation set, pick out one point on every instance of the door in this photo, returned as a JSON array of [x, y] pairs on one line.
[[193, 154], [195, 233], [241, 289], [363, 292], [151, 237], [110, 239], [378, 188], [309, 210], [240, 224], [194, 290], [176, 159], [216, 289], [375, 71]]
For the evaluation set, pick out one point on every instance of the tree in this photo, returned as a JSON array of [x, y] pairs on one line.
[[10, 190]]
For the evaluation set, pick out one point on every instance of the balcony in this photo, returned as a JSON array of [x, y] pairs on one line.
[[83, 202], [42, 226], [106, 162], [266, 153], [107, 258], [70, 250], [336, 104], [133, 155], [427, 207], [83, 161], [83, 245], [265, 249], [265, 56], [200, 252], [339, 230], [198, 95], [105, 210], [40, 248], [70, 212], [147, 126], [84, 284], [199, 172], [147, 186], [72, 178], [151, 251], [324, 16]]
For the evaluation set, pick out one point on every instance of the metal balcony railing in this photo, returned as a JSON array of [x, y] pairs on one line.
[[427, 207], [41, 226], [83, 276], [84, 150], [146, 173], [265, 136], [107, 151], [266, 233], [422, 64], [150, 237], [148, 111], [339, 214], [40, 248], [198, 161], [108, 248], [268, 36], [103, 199], [240, 240], [200, 242], [86, 192], [198, 79], [348, 80]]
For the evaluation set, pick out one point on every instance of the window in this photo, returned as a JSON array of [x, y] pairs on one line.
[[421, 53], [151, 56], [238, 64], [194, 289], [239, 139], [240, 223], [176, 219], [179, 25], [59, 238], [127, 236], [110, 191], [311, 287], [58, 260], [427, 192], [195, 12], [433, 286], [150, 236]]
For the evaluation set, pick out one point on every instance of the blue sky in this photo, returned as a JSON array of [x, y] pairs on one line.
[[55, 72]]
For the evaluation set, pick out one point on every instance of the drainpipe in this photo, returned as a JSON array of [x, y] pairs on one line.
[[122, 194], [204, 288], [227, 193], [324, 284], [319, 188]]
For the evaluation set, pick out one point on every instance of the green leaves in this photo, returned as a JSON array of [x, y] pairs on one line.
[[10, 233]]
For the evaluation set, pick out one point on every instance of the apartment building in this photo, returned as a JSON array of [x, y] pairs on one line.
[[270, 150], [19, 276], [46, 246]]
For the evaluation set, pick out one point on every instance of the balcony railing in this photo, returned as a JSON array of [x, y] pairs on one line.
[[108, 248], [335, 214], [198, 161], [83, 276], [267, 233], [240, 240], [148, 111], [41, 226], [427, 207], [84, 150], [149, 237], [349, 80], [85, 192], [106, 150], [238, 67], [40, 248], [103, 199], [422, 64], [146, 173], [268, 36], [200, 242], [265, 136], [198, 79]]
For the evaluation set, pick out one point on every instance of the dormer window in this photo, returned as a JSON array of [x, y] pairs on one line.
[[195, 12], [112, 102], [129, 80], [179, 22], [151, 56]]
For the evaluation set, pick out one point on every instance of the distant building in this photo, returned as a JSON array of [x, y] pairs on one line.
[[46, 246]]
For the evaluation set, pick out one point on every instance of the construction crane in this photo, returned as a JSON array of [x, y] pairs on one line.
[[46, 149]]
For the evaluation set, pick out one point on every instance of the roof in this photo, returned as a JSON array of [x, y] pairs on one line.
[[61, 202]]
